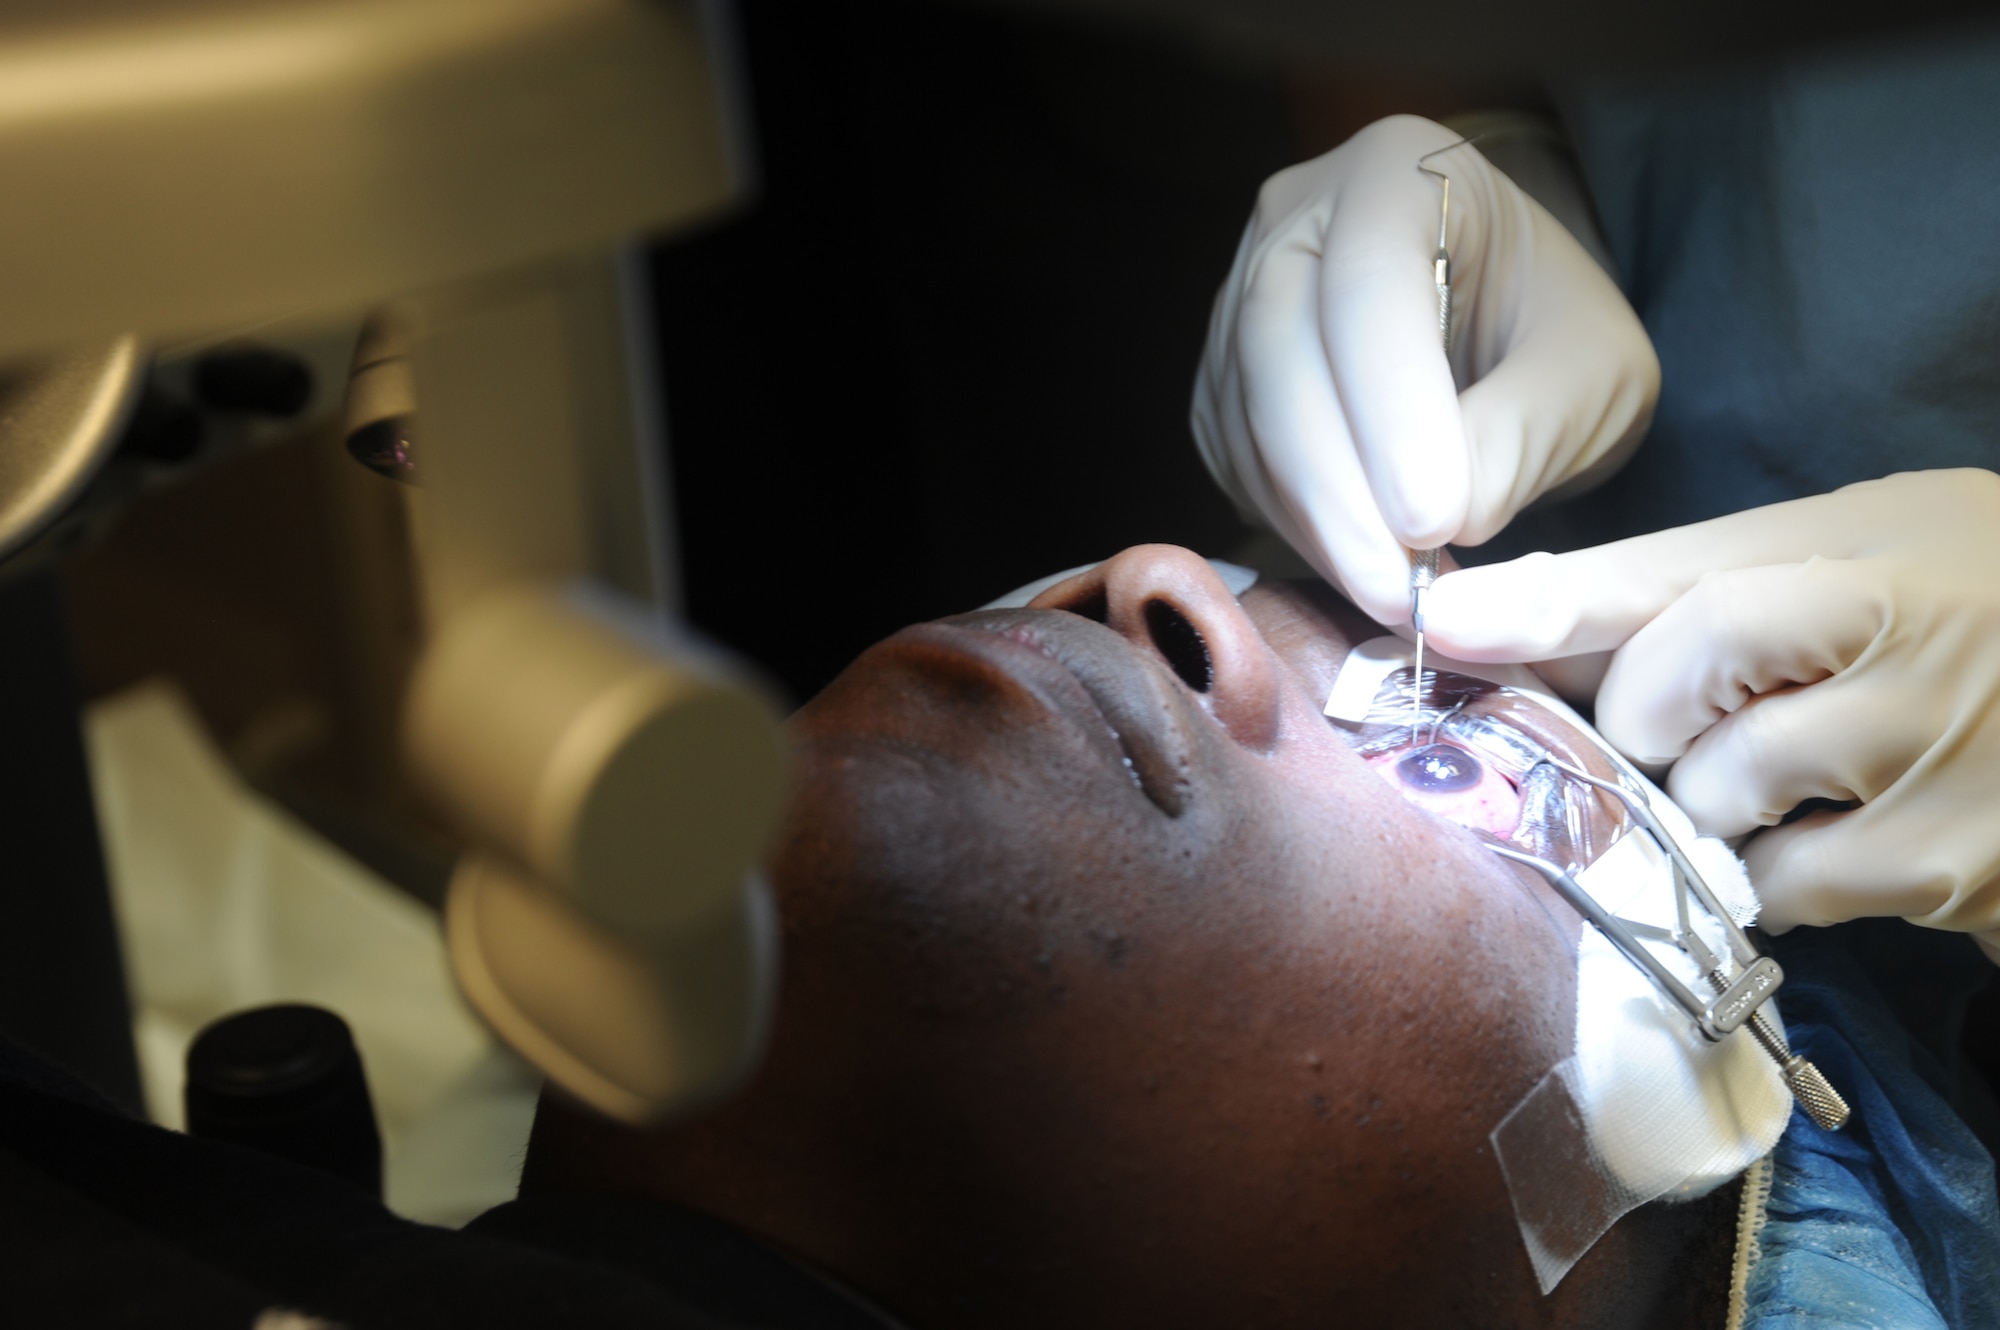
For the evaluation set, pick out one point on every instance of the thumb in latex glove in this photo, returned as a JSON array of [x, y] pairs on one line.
[[1325, 405], [1844, 647]]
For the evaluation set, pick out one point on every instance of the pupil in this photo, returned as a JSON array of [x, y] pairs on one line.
[[1440, 769]]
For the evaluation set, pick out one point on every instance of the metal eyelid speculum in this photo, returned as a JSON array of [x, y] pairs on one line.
[[1739, 997]]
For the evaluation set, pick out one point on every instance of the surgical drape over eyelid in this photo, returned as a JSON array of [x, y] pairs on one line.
[[1558, 841], [1659, 1098]]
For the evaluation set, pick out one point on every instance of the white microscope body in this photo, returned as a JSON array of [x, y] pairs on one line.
[[187, 169]]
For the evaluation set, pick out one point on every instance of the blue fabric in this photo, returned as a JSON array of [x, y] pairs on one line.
[[1809, 246], [1894, 1221]]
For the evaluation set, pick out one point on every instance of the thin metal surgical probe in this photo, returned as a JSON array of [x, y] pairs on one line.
[[1441, 261], [1737, 1002], [1424, 563]]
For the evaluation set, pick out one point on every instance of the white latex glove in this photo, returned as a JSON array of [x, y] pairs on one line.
[[1324, 405], [1844, 647]]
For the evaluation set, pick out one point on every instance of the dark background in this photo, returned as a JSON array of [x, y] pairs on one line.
[[948, 347]]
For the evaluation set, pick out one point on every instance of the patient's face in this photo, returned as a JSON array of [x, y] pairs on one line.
[[1110, 959]]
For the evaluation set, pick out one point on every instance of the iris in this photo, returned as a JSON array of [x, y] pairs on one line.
[[1440, 769]]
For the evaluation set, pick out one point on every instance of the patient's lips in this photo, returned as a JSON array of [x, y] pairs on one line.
[[1093, 677], [1447, 780]]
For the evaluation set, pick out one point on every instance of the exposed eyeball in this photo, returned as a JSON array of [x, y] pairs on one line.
[[1440, 769], [1445, 779]]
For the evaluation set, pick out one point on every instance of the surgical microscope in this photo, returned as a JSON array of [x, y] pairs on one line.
[[435, 202]]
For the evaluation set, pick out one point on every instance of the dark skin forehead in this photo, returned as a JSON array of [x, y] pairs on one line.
[[1155, 1002]]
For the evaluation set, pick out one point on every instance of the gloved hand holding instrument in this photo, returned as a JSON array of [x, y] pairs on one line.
[[1326, 404], [1844, 647]]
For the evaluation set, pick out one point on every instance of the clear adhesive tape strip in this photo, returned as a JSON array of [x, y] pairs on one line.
[[1565, 1198]]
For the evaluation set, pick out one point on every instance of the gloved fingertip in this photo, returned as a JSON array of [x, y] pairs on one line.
[[1717, 808], [1791, 879], [1430, 512], [1390, 609], [1377, 584], [1631, 721], [1495, 613], [1776, 906]]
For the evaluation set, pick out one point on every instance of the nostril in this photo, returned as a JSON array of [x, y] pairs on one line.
[[1181, 644]]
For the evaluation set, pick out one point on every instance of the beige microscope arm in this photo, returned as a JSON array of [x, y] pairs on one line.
[[179, 168], [620, 783]]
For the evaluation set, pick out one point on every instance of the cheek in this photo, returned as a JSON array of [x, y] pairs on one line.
[[1492, 804]]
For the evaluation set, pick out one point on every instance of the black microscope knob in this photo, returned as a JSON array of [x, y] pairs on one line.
[[287, 1080], [254, 379], [162, 428]]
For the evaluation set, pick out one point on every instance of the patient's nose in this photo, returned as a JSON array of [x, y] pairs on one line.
[[1169, 601]]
